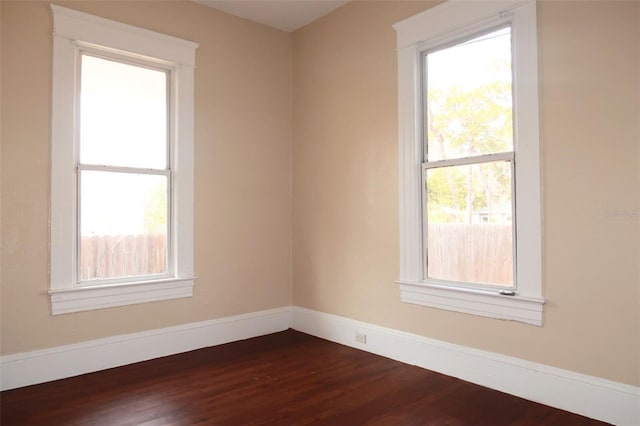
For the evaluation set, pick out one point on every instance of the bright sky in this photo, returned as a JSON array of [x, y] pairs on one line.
[[472, 63], [123, 117], [123, 122]]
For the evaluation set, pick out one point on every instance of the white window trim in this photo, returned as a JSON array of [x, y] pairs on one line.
[[70, 29], [438, 25]]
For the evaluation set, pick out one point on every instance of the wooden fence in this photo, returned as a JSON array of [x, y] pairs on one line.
[[122, 256], [480, 253]]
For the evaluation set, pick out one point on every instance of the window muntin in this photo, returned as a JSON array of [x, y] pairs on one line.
[[468, 161], [124, 176]]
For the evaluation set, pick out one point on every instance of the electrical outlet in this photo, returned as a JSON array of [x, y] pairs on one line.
[[361, 337]]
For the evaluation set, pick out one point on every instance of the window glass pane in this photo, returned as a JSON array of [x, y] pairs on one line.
[[123, 225], [469, 98], [123, 114], [469, 223]]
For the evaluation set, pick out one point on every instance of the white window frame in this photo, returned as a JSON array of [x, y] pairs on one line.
[[436, 26], [72, 31]]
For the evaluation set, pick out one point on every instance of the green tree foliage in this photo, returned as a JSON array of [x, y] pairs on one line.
[[462, 123], [155, 212]]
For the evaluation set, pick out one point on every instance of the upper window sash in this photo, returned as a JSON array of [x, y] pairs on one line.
[[168, 68]]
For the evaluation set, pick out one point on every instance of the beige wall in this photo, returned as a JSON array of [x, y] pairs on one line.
[[242, 172], [345, 185]]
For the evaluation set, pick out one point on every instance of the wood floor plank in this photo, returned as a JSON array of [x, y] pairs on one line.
[[286, 378]]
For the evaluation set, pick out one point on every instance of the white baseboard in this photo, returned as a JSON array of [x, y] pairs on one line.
[[589, 396], [586, 395], [29, 368]]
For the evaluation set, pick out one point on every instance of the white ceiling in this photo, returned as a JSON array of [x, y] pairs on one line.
[[286, 15]]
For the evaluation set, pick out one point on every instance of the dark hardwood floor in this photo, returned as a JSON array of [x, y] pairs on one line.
[[286, 378]]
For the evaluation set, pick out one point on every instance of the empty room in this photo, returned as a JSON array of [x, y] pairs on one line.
[[320, 212]]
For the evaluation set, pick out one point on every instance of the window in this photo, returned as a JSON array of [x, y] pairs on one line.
[[123, 171], [470, 216], [122, 161], [467, 166]]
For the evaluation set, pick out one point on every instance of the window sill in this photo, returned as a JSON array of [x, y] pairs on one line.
[[475, 302], [90, 298]]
